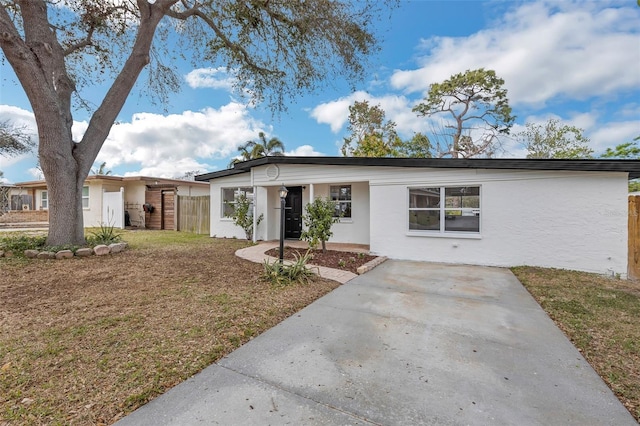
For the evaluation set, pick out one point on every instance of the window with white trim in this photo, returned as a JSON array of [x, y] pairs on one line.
[[341, 195], [229, 196], [445, 209], [85, 197], [44, 198]]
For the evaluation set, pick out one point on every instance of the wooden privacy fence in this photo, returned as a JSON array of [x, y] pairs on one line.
[[634, 237], [193, 214]]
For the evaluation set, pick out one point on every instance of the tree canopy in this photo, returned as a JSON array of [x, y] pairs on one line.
[[372, 135], [554, 140], [274, 49], [629, 150], [477, 108]]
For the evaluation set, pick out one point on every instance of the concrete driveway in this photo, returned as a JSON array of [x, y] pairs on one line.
[[408, 343]]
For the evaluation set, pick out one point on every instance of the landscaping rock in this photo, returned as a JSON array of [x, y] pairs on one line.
[[116, 247], [84, 252], [64, 254], [101, 250], [31, 254], [46, 255], [1, 253]]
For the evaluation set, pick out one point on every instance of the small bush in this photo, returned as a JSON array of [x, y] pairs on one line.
[[283, 274], [18, 244], [105, 235]]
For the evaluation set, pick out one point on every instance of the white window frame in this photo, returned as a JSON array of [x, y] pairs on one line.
[[338, 201], [44, 200], [246, 190], [442, 209], [85, 198]]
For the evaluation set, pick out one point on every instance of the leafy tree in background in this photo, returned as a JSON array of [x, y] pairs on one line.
[[371, 134], [477, 105], [274, 49], [419, 146], [318, 220], [554, 140], [627, 150]]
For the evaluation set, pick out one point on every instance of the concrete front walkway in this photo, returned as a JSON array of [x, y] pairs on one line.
[[407, 343]]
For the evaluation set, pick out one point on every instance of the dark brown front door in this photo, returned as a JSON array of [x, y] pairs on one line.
[[293, 213]]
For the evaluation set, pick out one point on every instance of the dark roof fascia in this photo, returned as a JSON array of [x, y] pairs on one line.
[[221, 173], [629, 166]]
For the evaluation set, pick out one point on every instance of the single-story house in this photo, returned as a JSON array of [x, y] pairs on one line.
[[500, 212], [139, 201]]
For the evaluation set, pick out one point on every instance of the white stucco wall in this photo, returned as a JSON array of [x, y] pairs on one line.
[[562, 219], [92, 216], [355, 229], [553, 219], [221, 226]]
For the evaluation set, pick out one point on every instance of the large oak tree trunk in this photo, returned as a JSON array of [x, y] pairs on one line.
[[38, 60], [64, 182]]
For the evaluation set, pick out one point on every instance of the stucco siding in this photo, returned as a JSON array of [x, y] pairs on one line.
[[559, 219], [92, 216], [222, 226], [349, 230]]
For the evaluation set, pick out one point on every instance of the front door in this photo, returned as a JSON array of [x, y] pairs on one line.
[[293, 213]]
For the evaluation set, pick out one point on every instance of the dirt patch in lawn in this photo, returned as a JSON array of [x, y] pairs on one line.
[[88, 340], [344, 260], [600, 316]]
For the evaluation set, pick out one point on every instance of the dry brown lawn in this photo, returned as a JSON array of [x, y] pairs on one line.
[[88, 340]]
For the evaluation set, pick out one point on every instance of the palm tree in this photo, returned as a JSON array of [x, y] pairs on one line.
[[263, 148], [102, 170]]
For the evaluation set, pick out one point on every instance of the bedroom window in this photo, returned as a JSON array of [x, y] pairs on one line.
[[341, 195], [444, 209], [229, 199]]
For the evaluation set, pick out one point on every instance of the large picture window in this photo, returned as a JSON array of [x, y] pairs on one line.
[[229, 196], [341, 194], [445, 209]]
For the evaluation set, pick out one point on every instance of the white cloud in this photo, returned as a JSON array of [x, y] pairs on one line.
[[214, 78], [167, 146], [543, 50], [36, 173], [172, 169], [397, 108], [612, 134], [304, 151]]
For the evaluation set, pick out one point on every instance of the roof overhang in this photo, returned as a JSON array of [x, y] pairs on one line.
[[632, 167]]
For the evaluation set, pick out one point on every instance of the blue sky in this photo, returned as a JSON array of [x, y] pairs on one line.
[[577, 61]]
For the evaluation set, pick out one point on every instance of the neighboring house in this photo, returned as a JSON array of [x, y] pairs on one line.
[[501, 212], [112, 200]]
